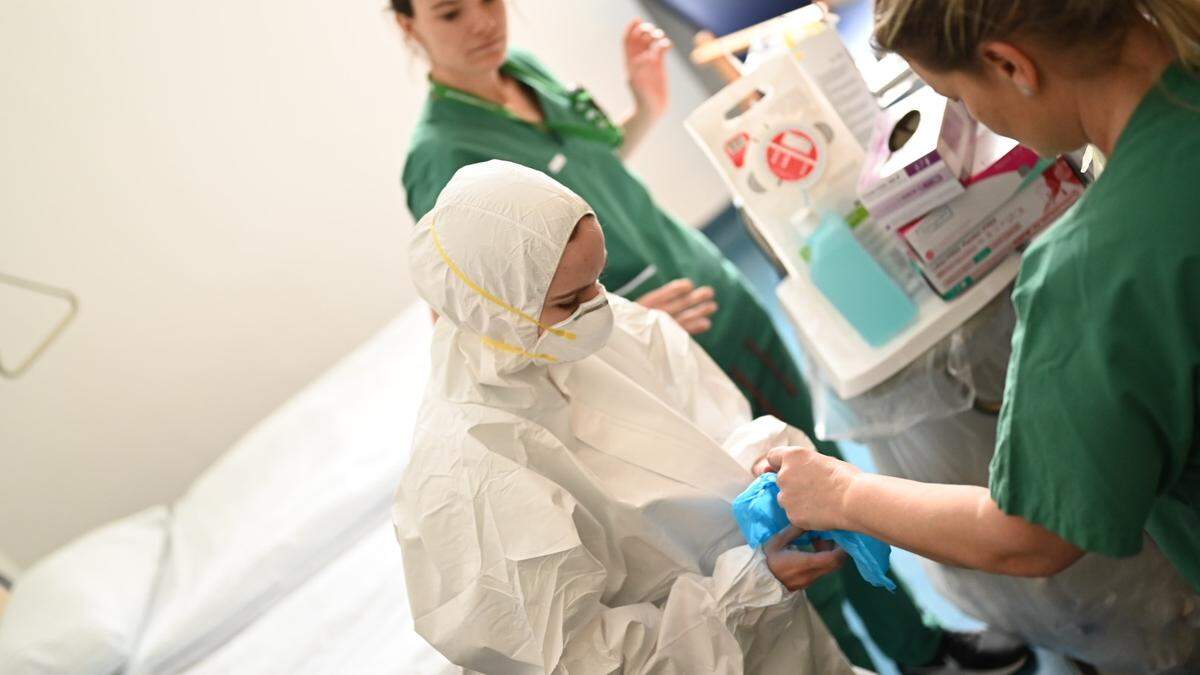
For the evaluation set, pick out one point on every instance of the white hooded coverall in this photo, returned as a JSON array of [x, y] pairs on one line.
[[575, 517]]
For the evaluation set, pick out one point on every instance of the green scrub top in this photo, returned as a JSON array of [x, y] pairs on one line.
[[1099, 436], [647, 247]]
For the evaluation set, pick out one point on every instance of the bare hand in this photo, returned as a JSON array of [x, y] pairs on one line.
[[798, 570], [762, 466], [691, 307], [795, 436], [646, 47], [812, 486]]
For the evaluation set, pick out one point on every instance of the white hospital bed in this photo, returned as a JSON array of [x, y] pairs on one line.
[[280, 558]]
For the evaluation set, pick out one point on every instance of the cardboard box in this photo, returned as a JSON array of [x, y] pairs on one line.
[[919, 158], [1001, 168], [1004, 207]]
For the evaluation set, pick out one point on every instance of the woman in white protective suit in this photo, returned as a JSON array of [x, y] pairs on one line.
[[567, 505]]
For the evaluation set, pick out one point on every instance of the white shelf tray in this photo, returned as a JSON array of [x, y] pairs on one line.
[[846, 361], [841, 356]]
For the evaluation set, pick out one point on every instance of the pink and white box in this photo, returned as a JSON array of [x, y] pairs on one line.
[[1013, 196]]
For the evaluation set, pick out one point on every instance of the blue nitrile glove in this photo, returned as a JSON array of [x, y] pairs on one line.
[[760, 517]]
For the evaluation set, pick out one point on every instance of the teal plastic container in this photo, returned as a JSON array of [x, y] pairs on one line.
[[856, 283]]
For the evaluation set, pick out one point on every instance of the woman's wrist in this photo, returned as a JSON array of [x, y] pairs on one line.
[[852, 484], [640, 118], [644, 110], [636, 126]]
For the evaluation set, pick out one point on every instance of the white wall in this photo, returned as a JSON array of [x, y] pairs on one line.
[[8, 569], [218, 182]]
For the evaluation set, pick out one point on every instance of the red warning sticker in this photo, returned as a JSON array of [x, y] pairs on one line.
[[735, 148], [793, 155]]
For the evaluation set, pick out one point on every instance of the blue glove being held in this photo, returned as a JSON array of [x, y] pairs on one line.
[[760, 517]]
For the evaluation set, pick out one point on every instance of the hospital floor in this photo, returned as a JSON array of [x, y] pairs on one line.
[[728, 233]]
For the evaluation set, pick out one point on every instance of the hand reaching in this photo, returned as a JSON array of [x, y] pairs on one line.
[[646, 47], [691, 307], [812, 486], [798, 570]]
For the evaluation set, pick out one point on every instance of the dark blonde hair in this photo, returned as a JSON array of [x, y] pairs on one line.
[[945, 35]]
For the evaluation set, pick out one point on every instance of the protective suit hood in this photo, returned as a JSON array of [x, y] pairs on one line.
[[489, 212]]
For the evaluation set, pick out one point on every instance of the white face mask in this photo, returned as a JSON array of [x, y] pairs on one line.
[[591, 323]]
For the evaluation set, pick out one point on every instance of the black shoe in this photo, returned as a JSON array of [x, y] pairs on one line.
[[984, 653]]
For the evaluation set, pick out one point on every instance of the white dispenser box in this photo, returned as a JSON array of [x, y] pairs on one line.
[[919, 158], [781, 148]]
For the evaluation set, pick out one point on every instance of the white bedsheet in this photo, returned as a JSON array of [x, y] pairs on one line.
[[351, 618]]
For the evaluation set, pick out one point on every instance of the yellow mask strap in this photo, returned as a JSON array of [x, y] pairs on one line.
[[513, 349], [497, 344]]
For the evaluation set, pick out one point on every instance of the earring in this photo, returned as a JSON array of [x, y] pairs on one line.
[[1026, 90]]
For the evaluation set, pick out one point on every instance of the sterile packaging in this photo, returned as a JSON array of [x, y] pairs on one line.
[[919, 158], [1012, 197], [1002, 166]]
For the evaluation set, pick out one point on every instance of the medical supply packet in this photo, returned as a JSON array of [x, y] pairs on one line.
[[1012, 196], [760, 517]]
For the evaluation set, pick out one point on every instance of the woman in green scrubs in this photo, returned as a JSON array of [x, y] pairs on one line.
[[489, 102], [1099, 435]]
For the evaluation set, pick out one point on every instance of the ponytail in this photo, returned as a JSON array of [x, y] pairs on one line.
[[1178, 21]]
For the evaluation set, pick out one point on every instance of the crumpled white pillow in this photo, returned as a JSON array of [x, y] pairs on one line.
[[79, 610]]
